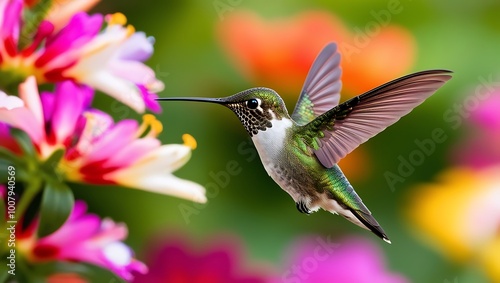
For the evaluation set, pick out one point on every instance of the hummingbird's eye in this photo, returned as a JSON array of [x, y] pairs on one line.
[[252, 103]]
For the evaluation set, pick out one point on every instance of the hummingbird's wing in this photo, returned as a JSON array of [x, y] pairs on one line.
[[321, 90], [345, 127]]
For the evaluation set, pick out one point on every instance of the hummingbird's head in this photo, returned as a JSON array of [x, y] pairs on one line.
[[255, 107]]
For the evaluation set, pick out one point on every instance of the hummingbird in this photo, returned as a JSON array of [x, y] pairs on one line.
[[300, 152]]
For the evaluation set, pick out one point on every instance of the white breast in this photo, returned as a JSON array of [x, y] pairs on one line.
[[269, 143]]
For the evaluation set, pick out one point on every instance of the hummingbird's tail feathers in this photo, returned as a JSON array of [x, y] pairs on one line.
[[302, 207], [371, 224]]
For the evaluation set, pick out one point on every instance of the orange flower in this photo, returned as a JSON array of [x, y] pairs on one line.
[[66, 278], [387, 55], [278, 53], [357, 164]]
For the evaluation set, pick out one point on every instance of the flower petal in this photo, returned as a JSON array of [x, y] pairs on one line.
[[152, 173], [11, 18], [28, 91], [111, 141], [132, 152], [23, 119], [102, 65], [150, 99], [169, 157], [9, 101], [64, 46], [137, 48], [69, 104], [121, 89], [164, 184], [62, 11]]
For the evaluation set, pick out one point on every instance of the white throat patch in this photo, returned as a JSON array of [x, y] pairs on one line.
[[271, 141]]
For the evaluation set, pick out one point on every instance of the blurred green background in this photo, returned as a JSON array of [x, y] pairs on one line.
[[462, 36]]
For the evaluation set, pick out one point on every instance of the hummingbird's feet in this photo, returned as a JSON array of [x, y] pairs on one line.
[[302, 207]]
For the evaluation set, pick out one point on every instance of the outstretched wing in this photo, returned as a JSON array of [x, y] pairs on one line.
[[321, 90], [350, 124]]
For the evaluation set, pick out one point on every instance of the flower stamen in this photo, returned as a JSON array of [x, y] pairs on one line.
[[116, 19], [150, 126], [189, 141]]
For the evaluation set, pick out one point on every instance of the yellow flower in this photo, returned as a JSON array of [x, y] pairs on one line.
[[460, 215], [491, 259]]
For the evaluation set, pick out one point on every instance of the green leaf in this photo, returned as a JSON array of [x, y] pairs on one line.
[[8, 155], [4, 172], [24, 142], [57, 203], [53, 160]]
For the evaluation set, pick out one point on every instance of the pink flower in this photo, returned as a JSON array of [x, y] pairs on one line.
[[348, 261], [3, 191], [173, 261], [481, 149], [97, 150], [83, 238], [94, 50], [486, 115]]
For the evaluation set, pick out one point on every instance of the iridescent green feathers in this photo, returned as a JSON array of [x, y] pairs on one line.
[[321, 90]]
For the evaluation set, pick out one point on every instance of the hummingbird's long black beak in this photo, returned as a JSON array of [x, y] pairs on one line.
[[195, 99]]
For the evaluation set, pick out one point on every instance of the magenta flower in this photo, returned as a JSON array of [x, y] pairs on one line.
[[86, 238], [173, 261], [3, 192], [97, 150], [348, 261], [482, 148], [94, 50]]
